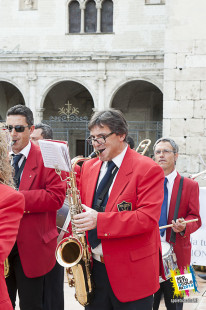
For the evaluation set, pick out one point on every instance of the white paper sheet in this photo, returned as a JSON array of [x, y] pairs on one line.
[[55, 154]]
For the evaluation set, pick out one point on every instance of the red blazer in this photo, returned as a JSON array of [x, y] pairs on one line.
[[11, 211], [44, 194], [189, 209], [130, 239]]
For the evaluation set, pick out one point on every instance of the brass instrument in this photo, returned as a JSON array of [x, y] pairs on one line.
[[72, 252], [143, 146], [6, 268]]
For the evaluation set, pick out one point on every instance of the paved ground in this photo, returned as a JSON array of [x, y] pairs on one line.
[[72, 304]]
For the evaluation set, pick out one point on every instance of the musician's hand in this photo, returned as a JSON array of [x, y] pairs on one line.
[[178, 226], [86, 220]]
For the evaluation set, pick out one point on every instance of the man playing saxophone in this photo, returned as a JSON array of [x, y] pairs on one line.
[[121, 193], [11, 211]]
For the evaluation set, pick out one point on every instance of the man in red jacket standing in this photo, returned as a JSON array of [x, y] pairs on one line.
[[122, 223], [11, 211], [166, 154], [33, 255]]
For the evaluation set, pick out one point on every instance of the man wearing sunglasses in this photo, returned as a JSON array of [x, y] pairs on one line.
[[166, 155], [121, 223], [33, 255]]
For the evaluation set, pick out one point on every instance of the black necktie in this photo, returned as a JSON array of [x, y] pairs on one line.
[[16, 159], [110, 166], [163, 216], [92, 234]]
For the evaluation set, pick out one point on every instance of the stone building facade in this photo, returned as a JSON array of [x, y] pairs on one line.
[[145, 57]]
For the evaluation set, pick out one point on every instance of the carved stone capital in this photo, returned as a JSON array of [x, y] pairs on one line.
[[31, 77]]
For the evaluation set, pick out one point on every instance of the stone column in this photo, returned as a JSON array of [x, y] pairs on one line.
[[101, 86], [39, 115], [98, 6], [82, 8], [32, 93]]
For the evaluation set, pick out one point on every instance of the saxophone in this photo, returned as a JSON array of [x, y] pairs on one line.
[[72, 252], [6, 268]]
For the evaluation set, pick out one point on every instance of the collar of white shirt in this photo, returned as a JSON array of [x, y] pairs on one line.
[[24, 152]]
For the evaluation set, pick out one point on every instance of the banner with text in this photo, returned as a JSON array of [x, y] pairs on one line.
[[198, 238]]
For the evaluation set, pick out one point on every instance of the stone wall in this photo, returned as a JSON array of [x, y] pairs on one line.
[[184, 109], [44, 27]]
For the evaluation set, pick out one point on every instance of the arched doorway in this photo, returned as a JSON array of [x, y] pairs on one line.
[[67, 108], [142, 104], [9, 97]]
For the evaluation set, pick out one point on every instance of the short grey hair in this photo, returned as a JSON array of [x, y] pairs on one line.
[[47, 132], [171, 141]]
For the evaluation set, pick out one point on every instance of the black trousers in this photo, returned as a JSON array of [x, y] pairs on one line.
[[167, 291], [30, 290], [105, 299], [53, 298]]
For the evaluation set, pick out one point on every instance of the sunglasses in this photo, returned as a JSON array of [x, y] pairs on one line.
[[18, 128]]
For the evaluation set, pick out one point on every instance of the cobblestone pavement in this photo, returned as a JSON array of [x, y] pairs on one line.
[[197, 300]]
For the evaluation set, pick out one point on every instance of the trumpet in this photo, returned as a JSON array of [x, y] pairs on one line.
[[143, 146]]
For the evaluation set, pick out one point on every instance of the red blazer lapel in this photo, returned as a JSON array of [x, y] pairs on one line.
[[29, 172], [92, 181]]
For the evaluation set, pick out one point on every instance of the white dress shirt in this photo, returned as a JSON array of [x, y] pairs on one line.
[[118, 161], [171, 178], [24, 152]]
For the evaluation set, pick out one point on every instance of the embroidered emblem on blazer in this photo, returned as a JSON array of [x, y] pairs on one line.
[[124, 206]]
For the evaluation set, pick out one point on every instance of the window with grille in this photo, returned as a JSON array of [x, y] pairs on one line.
[[107, 16], [90, 17], [74, 17]]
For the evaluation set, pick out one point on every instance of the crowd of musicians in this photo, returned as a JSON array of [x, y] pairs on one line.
[[125, 198]]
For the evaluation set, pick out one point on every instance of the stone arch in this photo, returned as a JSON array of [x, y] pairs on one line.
[[141, 101], [10, 95], [71, 128], [52, 84], [83, 88], [124, 82]]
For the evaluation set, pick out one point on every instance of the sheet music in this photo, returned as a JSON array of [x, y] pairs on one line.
[[55, 154]]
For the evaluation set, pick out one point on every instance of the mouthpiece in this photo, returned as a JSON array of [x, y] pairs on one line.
[[13, 142], [95, 154]]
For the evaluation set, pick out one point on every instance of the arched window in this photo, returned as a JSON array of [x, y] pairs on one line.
[[74, 17], [107, 16], [90, 17]]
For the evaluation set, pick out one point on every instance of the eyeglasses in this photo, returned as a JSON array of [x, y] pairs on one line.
[[165, 152], [100, 140], [18, 128]]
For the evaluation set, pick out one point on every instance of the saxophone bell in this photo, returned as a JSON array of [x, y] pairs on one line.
[[69, 252]]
